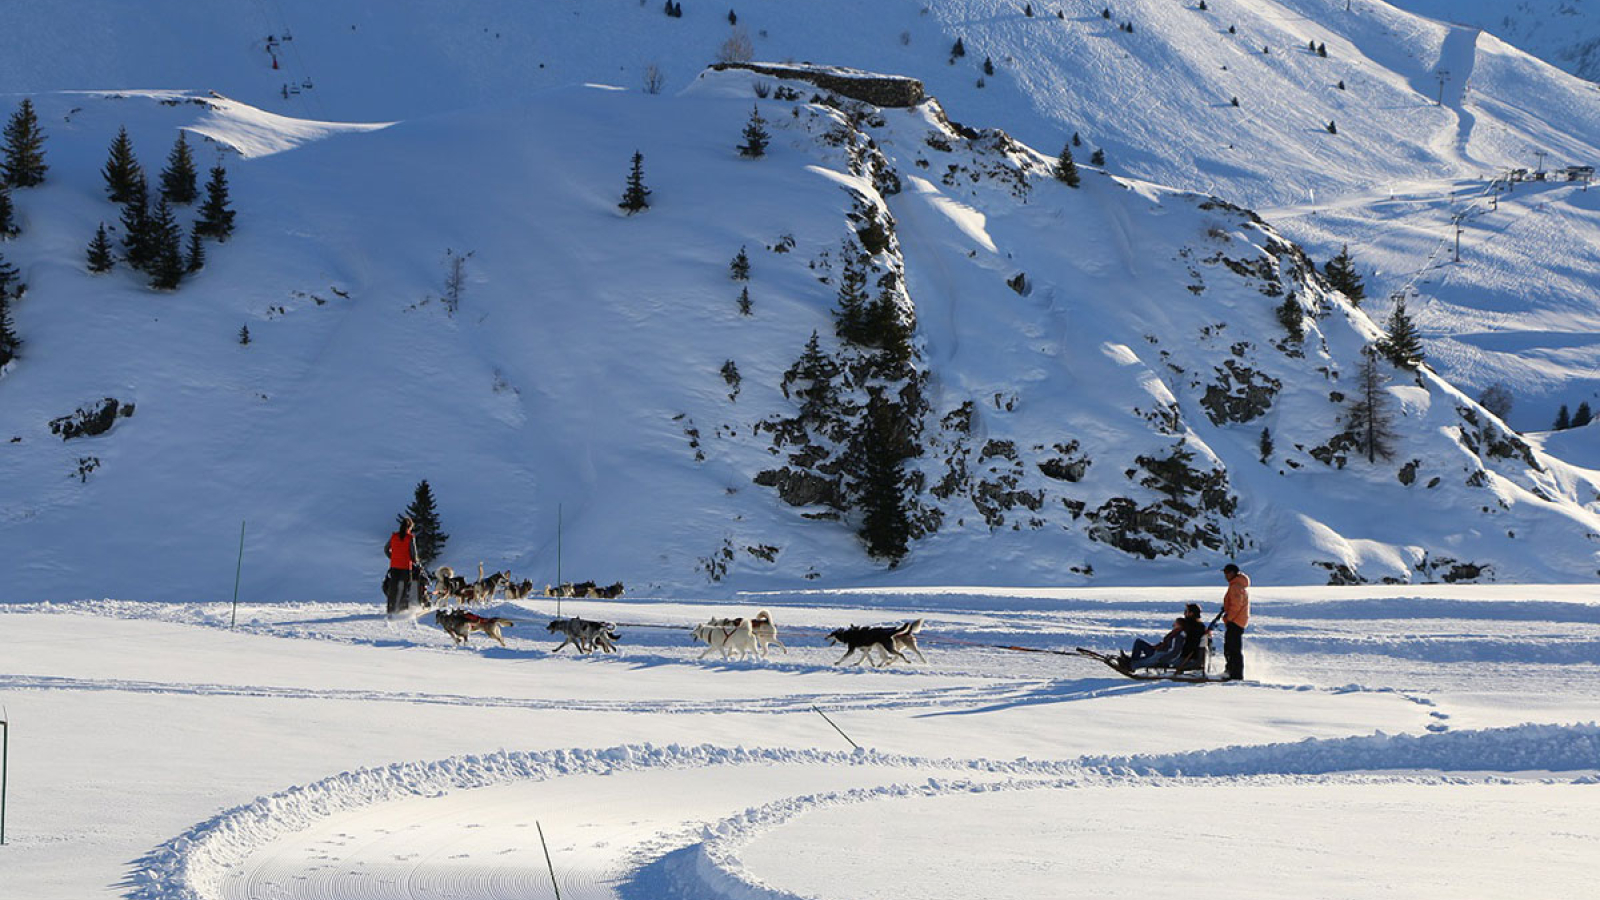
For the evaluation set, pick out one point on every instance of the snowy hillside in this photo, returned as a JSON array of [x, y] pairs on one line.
[[1096, 366], [1412, 151], [1565, 33]]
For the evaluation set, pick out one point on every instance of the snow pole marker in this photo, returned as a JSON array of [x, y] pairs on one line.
[[237, 567], [5, 754], [547, 863], [835, 727], [558, 561]]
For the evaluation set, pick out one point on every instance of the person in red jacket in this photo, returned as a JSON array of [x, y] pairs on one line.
[[402, 551], [1235, 616]]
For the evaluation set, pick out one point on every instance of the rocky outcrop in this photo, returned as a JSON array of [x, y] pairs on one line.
[[868, 87]]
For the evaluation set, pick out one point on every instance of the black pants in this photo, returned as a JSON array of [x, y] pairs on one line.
[[397, 588], [1233, 650]]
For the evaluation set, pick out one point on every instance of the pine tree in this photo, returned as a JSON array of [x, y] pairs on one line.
[[195, 259], [1266, 445], [1368, 420], [879, 450], [8, 222], [733, 18], [1311, 46], [244, 334], [1341, 84], [100, 258], [755, 136], [423, 514], [739, 269], [885, 329], [122, 171], [1332, 128], [814, 373], [1027, 10], [744, 301], [8, 334], [1235, 101], [1292, 317], [9, 285], [636, 196], [24, 164], [958, 49], [1582, 416], [178, 178], [1342, 276], [1066, 171], [850, 316], [1401, 343], [1322, 50], [1563, 419], [1076, 141], [137, 247], [988, 66], [1097, 158], [166, 248], [216, 219], [1202, 5]]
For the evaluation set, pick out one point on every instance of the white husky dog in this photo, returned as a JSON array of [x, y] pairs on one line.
[[728, 635]]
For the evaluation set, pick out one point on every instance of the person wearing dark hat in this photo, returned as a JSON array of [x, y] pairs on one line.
[[1235, 616]]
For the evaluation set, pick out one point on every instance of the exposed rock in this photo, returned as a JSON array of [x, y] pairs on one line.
[[96, 418], [869, 87]]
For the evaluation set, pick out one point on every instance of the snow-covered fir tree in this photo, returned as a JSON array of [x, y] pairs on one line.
[[1401, 343], [24, 164], [635, 196], [756, 137], [100, 258], [216, 219], [424, 514], [121, 171], [178, 178]]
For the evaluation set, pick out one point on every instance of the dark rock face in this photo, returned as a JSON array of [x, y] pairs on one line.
[[91, 420], [1240, 394], [803, 488], [879, 90]]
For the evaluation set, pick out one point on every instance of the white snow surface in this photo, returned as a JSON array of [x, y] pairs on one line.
[[313, 750]]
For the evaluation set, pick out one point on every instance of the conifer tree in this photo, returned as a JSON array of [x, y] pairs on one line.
[[1332, 128], [813, 374], [1266, 445], [216, 219], [1401, 343], [9, 285], [1076, 141], [635, 196], [1342, 276], [425, 517], [137, 246], [244, 334], [122, 171], [8, 334], [1292, 318], [195, 259], [1563, 419], [733, 17], [24, 164], [1341, 84], [1582, 416], [850, 316], [100, 258], [879, 450], [166, 247], [1066, 171], [1097, 158], [988, 66], [886, 329], [755, 136], [744, 301], [8, 222], [1368, 420], [1322, 50], [958, 49], [178, 178], [739, 269]]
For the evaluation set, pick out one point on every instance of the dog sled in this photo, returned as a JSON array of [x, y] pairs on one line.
[[1192, 668]]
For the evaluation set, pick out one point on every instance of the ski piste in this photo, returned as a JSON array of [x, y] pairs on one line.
[[1196, 678]]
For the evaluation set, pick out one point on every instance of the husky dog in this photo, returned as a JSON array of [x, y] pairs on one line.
[[485, 589], [728, 635], [460, 624], [609, 592], [766, 632], [519, 590], [447, 585], [584, 634], [887, 639]]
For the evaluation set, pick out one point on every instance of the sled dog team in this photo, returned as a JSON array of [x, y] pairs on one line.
[[738, 636], [447, 586]]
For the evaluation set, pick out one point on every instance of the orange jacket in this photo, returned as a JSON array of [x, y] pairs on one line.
[[400, 550], [1236, 602]]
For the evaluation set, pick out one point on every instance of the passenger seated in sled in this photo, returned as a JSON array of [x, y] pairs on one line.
[[1183, 648]]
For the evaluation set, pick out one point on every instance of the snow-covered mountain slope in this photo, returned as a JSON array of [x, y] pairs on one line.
[[1565, 33], [1097, 419], [1157, 100]]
